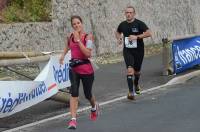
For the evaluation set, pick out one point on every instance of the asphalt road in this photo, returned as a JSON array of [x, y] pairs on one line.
[[110, 83], [169, 109]]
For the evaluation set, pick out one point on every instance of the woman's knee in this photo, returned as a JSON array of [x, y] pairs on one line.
[[88, 96], [74, 92]]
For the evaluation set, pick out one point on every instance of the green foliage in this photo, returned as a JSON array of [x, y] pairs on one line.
[[27, 11]]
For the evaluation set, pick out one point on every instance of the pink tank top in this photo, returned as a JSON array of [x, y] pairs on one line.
[[77, 54]]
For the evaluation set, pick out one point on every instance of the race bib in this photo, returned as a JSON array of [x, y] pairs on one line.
[[130, 44]]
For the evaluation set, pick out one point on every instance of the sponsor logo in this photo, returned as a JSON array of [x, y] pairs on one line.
[[62, 74]]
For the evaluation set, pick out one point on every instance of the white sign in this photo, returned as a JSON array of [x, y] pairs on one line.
[[16, 96]]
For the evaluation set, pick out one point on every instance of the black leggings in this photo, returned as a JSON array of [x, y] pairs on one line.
[[87, 81]]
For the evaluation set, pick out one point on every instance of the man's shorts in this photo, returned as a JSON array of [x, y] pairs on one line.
[[133, 58]]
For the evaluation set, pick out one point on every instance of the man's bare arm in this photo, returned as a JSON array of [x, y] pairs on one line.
[[118, 37]]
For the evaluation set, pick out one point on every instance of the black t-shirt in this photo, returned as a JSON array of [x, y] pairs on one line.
[[136, 27]]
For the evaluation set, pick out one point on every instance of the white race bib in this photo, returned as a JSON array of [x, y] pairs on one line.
[[130, 44]]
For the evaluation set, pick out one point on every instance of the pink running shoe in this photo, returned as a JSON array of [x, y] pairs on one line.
[[94, 114], [72, 124]]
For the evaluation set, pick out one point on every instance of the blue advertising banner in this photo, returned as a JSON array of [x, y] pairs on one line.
[[186, 53]]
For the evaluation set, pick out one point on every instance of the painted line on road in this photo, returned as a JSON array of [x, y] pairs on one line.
[[176, 80]]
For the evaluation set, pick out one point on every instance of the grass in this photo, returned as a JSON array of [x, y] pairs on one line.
[[27, 11]]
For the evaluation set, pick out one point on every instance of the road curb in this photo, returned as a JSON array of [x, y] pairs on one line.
[[182, 78]]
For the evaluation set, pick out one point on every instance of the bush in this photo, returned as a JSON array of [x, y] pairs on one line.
[[27, 11]]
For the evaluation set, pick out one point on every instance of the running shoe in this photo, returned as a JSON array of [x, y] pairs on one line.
[[131, 96], [94, 113], [137, 89], [72, 124]]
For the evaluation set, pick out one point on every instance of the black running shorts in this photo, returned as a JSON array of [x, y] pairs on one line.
[[133, 58]]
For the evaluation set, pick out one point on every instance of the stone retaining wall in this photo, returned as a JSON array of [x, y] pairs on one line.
[[101, 17]]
